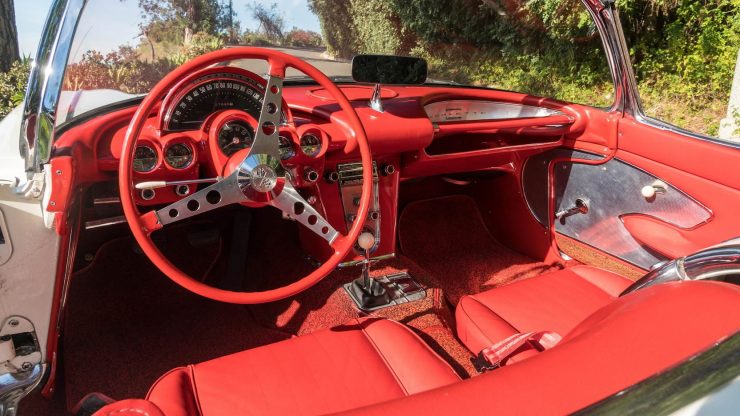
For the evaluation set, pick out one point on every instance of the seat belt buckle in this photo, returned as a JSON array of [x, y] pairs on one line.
[[481, 363]]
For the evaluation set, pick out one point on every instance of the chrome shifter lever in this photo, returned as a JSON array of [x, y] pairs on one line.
[[367, 292]]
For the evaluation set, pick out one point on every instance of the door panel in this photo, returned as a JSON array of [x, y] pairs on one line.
[[699, 207]]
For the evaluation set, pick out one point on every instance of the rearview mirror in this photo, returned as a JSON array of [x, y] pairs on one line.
[[389, 69]]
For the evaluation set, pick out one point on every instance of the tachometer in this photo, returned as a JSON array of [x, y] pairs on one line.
[[286, 147], [235, 136], [310, 145], [145, 159], [211, 93], [179, 155]]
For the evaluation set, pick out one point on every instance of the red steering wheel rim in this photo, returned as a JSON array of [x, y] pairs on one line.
[[142, 226]]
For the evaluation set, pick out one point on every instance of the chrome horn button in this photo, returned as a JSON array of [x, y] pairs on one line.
[[261, 177]]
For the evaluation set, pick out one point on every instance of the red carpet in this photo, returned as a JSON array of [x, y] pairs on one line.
[[127, 323], [447, 237]]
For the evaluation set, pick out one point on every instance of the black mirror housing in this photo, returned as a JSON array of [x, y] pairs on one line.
[[389, 69]]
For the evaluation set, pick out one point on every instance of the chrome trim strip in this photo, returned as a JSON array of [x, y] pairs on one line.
[[372, 259], [713, 263], [628, 82], [479, 110], [45, 83]]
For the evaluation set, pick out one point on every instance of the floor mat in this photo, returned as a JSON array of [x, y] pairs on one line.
[[327, 304], [127, 324], [447, 237]]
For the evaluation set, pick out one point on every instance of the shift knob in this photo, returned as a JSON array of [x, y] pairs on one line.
[[366, 241]]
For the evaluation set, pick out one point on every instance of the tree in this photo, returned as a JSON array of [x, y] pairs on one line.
[[8, 35], [271, 21], [179, 20]]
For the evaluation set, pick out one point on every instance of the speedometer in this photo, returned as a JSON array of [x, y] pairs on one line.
[[211, 93]]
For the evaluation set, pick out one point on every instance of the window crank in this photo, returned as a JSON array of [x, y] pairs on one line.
[[580, 207], [649, 191]]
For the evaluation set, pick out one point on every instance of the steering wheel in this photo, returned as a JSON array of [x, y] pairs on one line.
[[254, 177]]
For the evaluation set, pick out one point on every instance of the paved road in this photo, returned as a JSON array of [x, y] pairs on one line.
[[316, 58]]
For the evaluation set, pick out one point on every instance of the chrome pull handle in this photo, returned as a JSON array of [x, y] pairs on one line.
[[580, 207]]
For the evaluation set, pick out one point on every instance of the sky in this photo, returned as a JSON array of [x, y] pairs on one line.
[[31, 15]]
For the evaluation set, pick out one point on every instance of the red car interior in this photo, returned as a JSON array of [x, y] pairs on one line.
[[477, 212]]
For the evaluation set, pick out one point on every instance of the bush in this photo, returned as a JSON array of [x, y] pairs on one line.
[[13, 86], [684, 52], [301, 38], [256, 39], [126, 71]]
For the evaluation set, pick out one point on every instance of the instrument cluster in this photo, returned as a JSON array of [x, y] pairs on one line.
[[175, 155]]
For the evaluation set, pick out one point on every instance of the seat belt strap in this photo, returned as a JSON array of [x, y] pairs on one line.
[[491, 358]]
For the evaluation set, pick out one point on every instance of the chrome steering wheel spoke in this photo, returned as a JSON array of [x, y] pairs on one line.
[[222, 193], [295, 206], [266, 139]]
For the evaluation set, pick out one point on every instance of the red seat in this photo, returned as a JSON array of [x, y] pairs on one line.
[[342, 368], [556, 301]]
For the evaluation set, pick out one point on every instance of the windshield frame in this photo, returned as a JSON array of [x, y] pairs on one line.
[[50, 67]]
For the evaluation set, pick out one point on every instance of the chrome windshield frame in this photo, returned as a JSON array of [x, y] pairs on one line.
[[45, 83]]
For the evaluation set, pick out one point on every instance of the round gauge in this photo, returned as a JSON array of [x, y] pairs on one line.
[[179, 156], [235, 136], [310, 145], [286, 148], [210, 93], [145, 159]]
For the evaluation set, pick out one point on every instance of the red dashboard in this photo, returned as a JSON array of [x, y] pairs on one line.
[[422, 131]]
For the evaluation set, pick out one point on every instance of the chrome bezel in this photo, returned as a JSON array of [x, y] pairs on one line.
[[319, 144], [156, 158], [165, 155]]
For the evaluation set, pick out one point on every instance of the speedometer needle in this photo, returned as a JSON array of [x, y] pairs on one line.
[[162, 184]]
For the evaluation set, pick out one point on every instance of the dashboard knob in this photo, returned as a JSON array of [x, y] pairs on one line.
[[331, 176], [310, 175], [387, 169]]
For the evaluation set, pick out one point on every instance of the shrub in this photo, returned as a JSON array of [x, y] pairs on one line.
[[301, 38], [13, 86], [125, 70]]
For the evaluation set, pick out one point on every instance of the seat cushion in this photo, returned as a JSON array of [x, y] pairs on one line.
[[361, 363], [556, 301]]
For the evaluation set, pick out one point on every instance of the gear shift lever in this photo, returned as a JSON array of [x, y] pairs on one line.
[[367, 291]]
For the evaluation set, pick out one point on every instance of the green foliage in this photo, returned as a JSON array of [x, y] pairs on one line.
[[176, 20], [13, 86], [125, 70], [684, 52], [684, 55], [300, 38]]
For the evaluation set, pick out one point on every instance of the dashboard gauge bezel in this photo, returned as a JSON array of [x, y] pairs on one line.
[[157, 154], [219, 73], [188, 146], [236, 125], [319, 133]]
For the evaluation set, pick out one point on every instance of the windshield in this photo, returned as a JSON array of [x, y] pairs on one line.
[[541, 47]]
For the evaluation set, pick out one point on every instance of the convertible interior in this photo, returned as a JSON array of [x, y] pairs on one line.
[[243, 245]]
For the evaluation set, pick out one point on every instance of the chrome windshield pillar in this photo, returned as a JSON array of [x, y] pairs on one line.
[[45, 83]]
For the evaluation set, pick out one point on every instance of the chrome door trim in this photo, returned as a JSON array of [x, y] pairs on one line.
[[628, 82], [45, 83]]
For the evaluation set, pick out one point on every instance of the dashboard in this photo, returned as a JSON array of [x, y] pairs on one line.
[[424, 130]]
